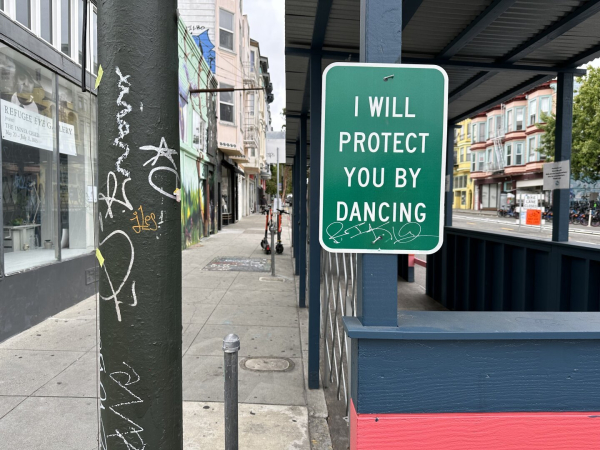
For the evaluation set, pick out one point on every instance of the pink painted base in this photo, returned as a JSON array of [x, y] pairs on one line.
[[475, 431]]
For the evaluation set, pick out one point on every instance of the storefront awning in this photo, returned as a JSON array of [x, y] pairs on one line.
[[530, 183]]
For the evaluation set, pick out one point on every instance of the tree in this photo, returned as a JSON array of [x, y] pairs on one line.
[[284, 178], [585, 153]]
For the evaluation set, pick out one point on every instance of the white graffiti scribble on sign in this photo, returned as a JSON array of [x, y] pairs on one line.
[[110, 198], [124, 85], [116, 292], [162, 151]]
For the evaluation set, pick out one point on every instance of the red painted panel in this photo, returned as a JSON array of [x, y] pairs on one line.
[[420, 262], [473, 431]]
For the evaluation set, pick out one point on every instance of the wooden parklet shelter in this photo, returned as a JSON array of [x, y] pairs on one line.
[[506, 367]]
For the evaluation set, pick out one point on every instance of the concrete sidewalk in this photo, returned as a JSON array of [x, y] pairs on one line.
[[48, 376]]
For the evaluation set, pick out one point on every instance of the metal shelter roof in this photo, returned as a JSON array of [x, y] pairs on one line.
[[492, 50]]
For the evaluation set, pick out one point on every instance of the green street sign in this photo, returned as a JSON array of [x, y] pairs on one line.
[[383, 158]]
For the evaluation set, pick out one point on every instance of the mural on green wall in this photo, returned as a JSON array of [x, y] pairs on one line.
[[195, 127], [192, 203]]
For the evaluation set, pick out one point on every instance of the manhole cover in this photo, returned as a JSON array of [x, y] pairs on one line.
[[272, 279], [267, 364], [232, 263]]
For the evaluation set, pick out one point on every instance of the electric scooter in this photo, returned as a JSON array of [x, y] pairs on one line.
[[265, 242], [279, 246]]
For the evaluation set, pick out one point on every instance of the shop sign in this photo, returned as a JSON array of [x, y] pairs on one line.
[[29, 128], [557, 175], [383, 154], [533, 217], [530, 201]]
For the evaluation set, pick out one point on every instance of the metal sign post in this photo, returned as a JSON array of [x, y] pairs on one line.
[[383, 158]]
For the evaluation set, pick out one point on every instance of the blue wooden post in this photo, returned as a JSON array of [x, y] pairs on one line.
[[564, 123], [295, 206], [449, 176], [314, 288], [377, 275], [302, 214]]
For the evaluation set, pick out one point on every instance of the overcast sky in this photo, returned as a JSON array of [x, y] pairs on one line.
[[267, 22]]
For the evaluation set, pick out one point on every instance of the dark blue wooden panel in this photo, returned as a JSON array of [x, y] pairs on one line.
[[479, 271], [477, 376]]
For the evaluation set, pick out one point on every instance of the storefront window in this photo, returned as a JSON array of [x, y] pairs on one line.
[[65, 27], [77, 115], [23, 12], [39, 166], [27, 119], [225, 190], [46, 20]]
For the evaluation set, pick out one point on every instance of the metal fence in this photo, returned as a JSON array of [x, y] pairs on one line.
[[338, 299]]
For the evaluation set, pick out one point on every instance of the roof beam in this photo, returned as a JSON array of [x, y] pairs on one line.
[[320, 27], [500, 67], [469, 85], [409, 8], [329, 54], [584, 57], [486, 18], [519, 89], [560, 27], [554, 31]]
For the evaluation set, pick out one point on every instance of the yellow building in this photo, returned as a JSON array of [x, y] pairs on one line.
[[463, 185]]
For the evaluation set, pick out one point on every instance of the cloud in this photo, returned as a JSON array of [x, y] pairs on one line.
[[267, 26]]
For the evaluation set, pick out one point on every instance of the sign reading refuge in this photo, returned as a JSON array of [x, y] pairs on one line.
[[383, 158]]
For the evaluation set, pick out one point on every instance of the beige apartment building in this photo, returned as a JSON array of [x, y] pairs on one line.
[[221, 30]]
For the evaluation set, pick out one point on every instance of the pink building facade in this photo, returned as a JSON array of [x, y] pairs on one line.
[[505, 157]]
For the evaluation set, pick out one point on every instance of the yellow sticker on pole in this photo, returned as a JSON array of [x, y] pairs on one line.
[[99, 76], [99, 257]]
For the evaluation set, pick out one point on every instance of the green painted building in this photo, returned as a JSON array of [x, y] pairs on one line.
[[197, 132]]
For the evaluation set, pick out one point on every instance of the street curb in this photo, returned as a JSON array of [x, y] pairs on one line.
[[318, 428]]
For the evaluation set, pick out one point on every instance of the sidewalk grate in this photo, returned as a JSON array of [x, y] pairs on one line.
[[236, 264]]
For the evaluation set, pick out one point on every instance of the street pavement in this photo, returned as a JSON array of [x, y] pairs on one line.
[[48, 374], [490, 222]]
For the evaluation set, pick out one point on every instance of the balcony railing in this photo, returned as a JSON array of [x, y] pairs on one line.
[[251, 135], [250, 74]]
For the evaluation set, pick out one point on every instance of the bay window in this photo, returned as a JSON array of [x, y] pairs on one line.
[[519, 119], [544, 106], [490, 127], [509, 154], [533, 112], [534, 155], [499, 124], [518, 154], [226, 105], [509, 121], [226, 29]]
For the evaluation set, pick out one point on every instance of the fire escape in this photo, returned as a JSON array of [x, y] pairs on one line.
[[498, 140]]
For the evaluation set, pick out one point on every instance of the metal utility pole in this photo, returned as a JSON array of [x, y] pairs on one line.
[[139, 247]]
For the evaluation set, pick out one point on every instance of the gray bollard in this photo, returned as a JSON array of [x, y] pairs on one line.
[[231, 346]]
